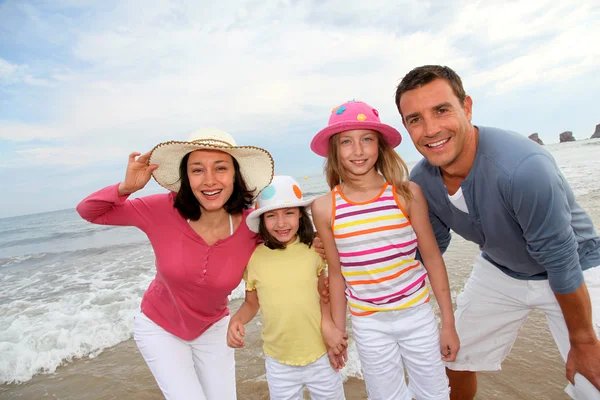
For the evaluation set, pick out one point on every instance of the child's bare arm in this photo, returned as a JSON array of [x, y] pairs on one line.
[[321, 212], [335, 339], [247, 311], [435, 266]]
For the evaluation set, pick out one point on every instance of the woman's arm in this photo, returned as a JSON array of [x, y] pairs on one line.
[[109, 206], [436, 269]]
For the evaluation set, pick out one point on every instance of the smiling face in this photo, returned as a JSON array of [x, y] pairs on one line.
[[358, 151], [282, 224], [438, 124], [211, 175]]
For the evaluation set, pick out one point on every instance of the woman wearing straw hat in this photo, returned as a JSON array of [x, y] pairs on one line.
[[202, 244]]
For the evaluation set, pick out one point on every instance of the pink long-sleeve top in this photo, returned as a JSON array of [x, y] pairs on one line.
[[193, 280]]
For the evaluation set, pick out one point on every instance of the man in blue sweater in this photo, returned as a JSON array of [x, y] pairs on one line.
[[539, 249]]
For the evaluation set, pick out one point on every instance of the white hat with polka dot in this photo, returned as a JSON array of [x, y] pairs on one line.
[[283, 192]]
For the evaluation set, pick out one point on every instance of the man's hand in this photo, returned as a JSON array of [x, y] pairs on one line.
[[584, 356], [584, 359]]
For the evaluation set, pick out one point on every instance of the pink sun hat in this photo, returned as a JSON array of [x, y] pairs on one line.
[[353, 115]]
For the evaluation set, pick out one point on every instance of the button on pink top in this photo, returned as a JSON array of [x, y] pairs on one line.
[[192, 282]]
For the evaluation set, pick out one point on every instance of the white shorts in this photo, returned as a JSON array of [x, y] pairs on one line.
[[199, 369], [492, 308], [389, 341], [286, 382]]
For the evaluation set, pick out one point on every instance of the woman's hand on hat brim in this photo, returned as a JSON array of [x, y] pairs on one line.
[[138, 173]]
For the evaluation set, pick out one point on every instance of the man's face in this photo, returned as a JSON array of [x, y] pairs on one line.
[[436, 121]]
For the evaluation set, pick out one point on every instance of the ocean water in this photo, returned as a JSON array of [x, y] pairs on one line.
[[70, 289]]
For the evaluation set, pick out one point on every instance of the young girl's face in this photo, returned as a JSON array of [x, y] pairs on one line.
[[283, 224], [358, 150]]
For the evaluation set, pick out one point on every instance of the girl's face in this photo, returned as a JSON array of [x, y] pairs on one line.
[[358, 151], [283, 224]]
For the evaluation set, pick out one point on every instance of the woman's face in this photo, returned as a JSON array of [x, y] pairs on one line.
[[211, 174]]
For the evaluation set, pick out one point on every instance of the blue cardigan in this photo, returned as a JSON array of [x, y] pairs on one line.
[[522, 212]]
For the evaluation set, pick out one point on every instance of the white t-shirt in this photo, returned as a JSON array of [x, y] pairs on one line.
[[458, 201]]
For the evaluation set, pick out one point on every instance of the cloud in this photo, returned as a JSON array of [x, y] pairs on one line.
[[262, 75], [267, 60], [69, 156], [23, 132], [93, 78], [7, 70], [12, 74], [531, 42]]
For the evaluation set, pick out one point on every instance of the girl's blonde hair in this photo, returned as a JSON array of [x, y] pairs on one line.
[[389, 164]]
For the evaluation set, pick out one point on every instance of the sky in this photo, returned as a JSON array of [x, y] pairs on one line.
[[84, 83]]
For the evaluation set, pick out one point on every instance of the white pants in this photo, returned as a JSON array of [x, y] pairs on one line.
[[388, 341], [286, 382], [493, 307], [199, 369]]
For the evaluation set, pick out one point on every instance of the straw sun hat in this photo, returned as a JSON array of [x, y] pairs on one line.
[[256, 164]]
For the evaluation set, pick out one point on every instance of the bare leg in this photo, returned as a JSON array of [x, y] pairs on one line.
[[463, 384]]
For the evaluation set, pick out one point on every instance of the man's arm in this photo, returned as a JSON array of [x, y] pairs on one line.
[[585, 348], [539, 201], [538, 198], [440, 230]]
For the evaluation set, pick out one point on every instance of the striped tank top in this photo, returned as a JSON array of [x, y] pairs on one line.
[[377, 247]]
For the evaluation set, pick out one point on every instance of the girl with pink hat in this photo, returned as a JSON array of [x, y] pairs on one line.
[[372, 224], [282, 279]]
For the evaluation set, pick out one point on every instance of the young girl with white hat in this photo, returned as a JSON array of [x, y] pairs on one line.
[[282, 279]]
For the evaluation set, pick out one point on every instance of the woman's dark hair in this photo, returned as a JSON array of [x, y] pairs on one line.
[[188, 205], [306, 233]]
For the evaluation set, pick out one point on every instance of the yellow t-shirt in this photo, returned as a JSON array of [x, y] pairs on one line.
[[286, 282]]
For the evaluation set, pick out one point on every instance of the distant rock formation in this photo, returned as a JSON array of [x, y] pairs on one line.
[[596, 134], [567, 136], [536, 138]]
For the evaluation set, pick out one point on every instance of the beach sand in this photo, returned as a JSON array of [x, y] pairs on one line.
[[533, 370]]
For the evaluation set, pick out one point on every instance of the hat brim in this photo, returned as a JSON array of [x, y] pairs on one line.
[[253, 219], [320, 143], [256, 164]]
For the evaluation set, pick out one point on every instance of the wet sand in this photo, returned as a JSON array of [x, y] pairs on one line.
[[533, 370]]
